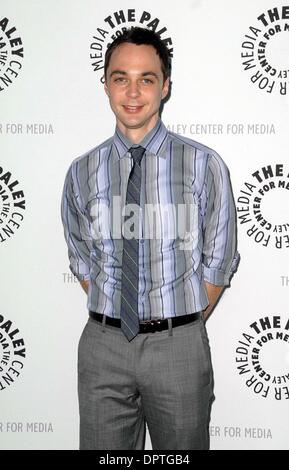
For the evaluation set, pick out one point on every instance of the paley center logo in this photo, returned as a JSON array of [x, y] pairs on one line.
[[265, 51], [115, 24], [262, 206], [176, 224], [11, 53], [262, 357], [12, 205], [12, 353]]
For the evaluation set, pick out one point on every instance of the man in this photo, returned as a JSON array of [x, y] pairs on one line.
[[143, 355]]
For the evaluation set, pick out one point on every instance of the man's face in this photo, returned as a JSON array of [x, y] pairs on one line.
[[135, 86]]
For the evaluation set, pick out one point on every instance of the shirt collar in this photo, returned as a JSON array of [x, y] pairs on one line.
[[155, 142]]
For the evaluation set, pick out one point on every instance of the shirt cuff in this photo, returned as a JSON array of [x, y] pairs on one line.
[[78, 275], [219, 277]]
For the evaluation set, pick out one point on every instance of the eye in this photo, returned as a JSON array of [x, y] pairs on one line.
[[147, 81], [119, 80]]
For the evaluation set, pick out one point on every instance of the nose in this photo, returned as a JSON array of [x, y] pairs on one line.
[[133, 89]]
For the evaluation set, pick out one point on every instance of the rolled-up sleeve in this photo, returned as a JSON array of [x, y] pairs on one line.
[[220, 256], [76, 229]]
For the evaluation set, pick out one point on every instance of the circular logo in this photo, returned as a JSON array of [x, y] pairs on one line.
[[262, 357], [12, 205], [12, 353], [262, 206], [114, 25], [265, 51], [11, 53]]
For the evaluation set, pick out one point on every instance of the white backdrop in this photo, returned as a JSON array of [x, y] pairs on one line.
[[54, 110]]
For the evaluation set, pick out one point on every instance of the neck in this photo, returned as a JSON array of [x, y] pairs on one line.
[[136, 135]]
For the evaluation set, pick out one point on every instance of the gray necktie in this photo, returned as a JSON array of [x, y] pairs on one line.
[[130, 257]]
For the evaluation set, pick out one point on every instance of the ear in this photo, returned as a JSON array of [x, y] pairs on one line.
[[166, 87], [106, 89]]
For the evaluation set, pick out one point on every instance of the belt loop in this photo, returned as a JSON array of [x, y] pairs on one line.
[[103, 323], [170, 327]]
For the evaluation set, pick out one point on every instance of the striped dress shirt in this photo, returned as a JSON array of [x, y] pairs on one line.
[[178, 249]]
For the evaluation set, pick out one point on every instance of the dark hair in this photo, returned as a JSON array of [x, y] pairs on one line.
[[139, 36]]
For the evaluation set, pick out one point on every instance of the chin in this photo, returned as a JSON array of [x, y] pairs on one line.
[[133, 124]]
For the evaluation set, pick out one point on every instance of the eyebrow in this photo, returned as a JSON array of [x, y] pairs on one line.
[[144, 74]]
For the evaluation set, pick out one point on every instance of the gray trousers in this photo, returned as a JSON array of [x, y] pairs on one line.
[[164, 379]]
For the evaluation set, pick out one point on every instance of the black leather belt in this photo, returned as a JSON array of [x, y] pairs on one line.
[[149, 326]]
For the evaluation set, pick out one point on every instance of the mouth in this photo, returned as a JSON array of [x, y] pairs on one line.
[[132, 109]]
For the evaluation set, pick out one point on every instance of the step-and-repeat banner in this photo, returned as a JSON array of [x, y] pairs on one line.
[[230, 89]]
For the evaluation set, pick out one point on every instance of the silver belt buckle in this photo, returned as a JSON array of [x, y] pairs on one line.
[[151, 322]]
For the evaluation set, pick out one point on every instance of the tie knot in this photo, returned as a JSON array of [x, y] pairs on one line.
[[137, 153]]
